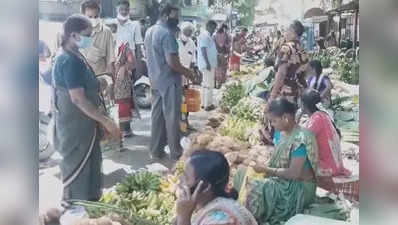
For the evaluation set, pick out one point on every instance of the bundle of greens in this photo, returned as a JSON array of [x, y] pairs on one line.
[[249, 108], [231, 94]]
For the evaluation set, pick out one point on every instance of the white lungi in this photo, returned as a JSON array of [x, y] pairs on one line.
[[207, 87]]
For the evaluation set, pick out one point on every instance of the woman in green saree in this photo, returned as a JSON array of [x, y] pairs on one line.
[[290, 184]]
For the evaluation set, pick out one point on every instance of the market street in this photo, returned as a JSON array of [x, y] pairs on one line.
[[247, 111]]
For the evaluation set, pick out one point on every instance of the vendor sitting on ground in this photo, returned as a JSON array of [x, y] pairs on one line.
[[326, 133], [202, 196], [320, 82], [290, 185]]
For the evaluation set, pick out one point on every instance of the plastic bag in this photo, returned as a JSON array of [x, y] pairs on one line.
[[73, 214]]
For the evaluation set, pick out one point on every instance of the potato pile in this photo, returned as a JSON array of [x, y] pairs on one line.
[[215, 120]]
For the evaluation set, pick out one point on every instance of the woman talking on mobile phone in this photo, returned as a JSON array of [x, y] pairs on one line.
[[202, 195]]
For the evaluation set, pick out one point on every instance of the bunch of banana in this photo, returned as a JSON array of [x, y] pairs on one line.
[[179, 169], [110, 197], [140, 181], [168, 184]]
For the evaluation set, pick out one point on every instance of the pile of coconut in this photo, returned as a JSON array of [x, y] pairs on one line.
[[238, 154]]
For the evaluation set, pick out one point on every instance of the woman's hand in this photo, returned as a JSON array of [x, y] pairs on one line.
[[112, 129], [187, 202], [259, 167], [269, 172]]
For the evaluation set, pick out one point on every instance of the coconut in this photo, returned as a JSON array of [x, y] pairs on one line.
[[224, 150], [262, 160], [83, 222], [103, 221], [246, 162], [213, 123], [204, 139], [215, 120], [252, 164], [242, 156], [222, 141], [262, 150], [232, 157]]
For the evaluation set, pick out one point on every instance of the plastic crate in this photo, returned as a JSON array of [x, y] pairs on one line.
[[348, 186]]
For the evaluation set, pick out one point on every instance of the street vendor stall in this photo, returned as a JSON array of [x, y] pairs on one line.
[[348, 21]]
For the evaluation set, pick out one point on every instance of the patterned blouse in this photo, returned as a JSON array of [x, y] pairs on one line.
[[223, 211], [292, 53]]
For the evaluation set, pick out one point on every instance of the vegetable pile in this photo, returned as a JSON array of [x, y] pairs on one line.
[[238, 153], [249, 108], [141, 198], [231, 94], [237, 128]]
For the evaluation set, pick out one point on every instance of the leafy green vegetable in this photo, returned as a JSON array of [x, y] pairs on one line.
[[139, 181], [231, 94], [249, 108]]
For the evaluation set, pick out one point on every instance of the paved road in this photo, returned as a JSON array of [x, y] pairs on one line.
[[116, 165]]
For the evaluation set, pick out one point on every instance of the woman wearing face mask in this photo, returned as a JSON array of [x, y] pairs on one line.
[[202, 195], [77, 114]]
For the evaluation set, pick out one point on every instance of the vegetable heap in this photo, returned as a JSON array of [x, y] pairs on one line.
[[143, 197], [231, 94]]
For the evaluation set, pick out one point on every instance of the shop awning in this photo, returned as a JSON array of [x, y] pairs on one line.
[[318, 19], [314, 12]]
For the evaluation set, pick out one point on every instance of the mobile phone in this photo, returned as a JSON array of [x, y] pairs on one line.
[[204, 186]]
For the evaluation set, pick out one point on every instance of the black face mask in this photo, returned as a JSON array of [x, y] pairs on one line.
[[172, 22]]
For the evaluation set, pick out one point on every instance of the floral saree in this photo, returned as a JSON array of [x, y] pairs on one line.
[[274, 200]]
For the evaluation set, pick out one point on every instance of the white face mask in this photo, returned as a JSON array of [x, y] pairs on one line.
[[122, 18], [95, 21], [84, 42]]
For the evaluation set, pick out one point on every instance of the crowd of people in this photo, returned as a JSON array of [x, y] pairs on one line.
[[301, 155]]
